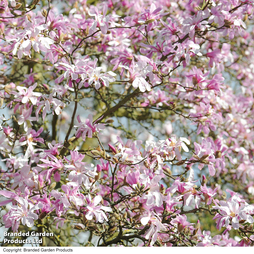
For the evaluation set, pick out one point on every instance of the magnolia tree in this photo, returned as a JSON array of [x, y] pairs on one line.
[[127, 123]]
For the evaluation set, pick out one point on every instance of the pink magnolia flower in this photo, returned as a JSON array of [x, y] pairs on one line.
[[70, 72], [207, 240], [195, 22], [87, 128], [46, 202], [133, 178], [196, 77], [53, 149], [72, 195], [101, 20], [94, 209], [171, 202], [150, 15], [232, 212], [171, 27], [177, 145], [30, 139], [24, 177], [7, 130], [10, 195], [167, 149], [128, 152], [217, 15], [208, 194], [192, 197], [80, 172], [59, 23], [30, 36], [154, 197], [59, 222], [181, 187], [123, 59], [234, 24], [5, 143], [181, 222], [155, 226], [101, 79], [47, 103], [52, 166], [27, 94], [25, 117], [156, 97], [214, 56], [23, 213], [137, 74], [206, 149]]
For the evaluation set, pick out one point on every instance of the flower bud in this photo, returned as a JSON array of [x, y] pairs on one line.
[[204, 157], [167, 170], [79, 226], [18, 5], [96, 153], [180, 163], [42, 215], [204, 180], [218, 154], [52, 186], [112, 149], [44, 13]]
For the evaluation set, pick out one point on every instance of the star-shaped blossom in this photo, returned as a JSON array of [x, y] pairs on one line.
[[22, 213], [87, 128], [101, 79], [94, 209]]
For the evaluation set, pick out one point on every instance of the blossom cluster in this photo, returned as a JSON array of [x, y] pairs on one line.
[[130, 120]]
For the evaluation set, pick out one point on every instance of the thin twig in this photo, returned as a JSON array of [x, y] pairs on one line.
[[47, 12]]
